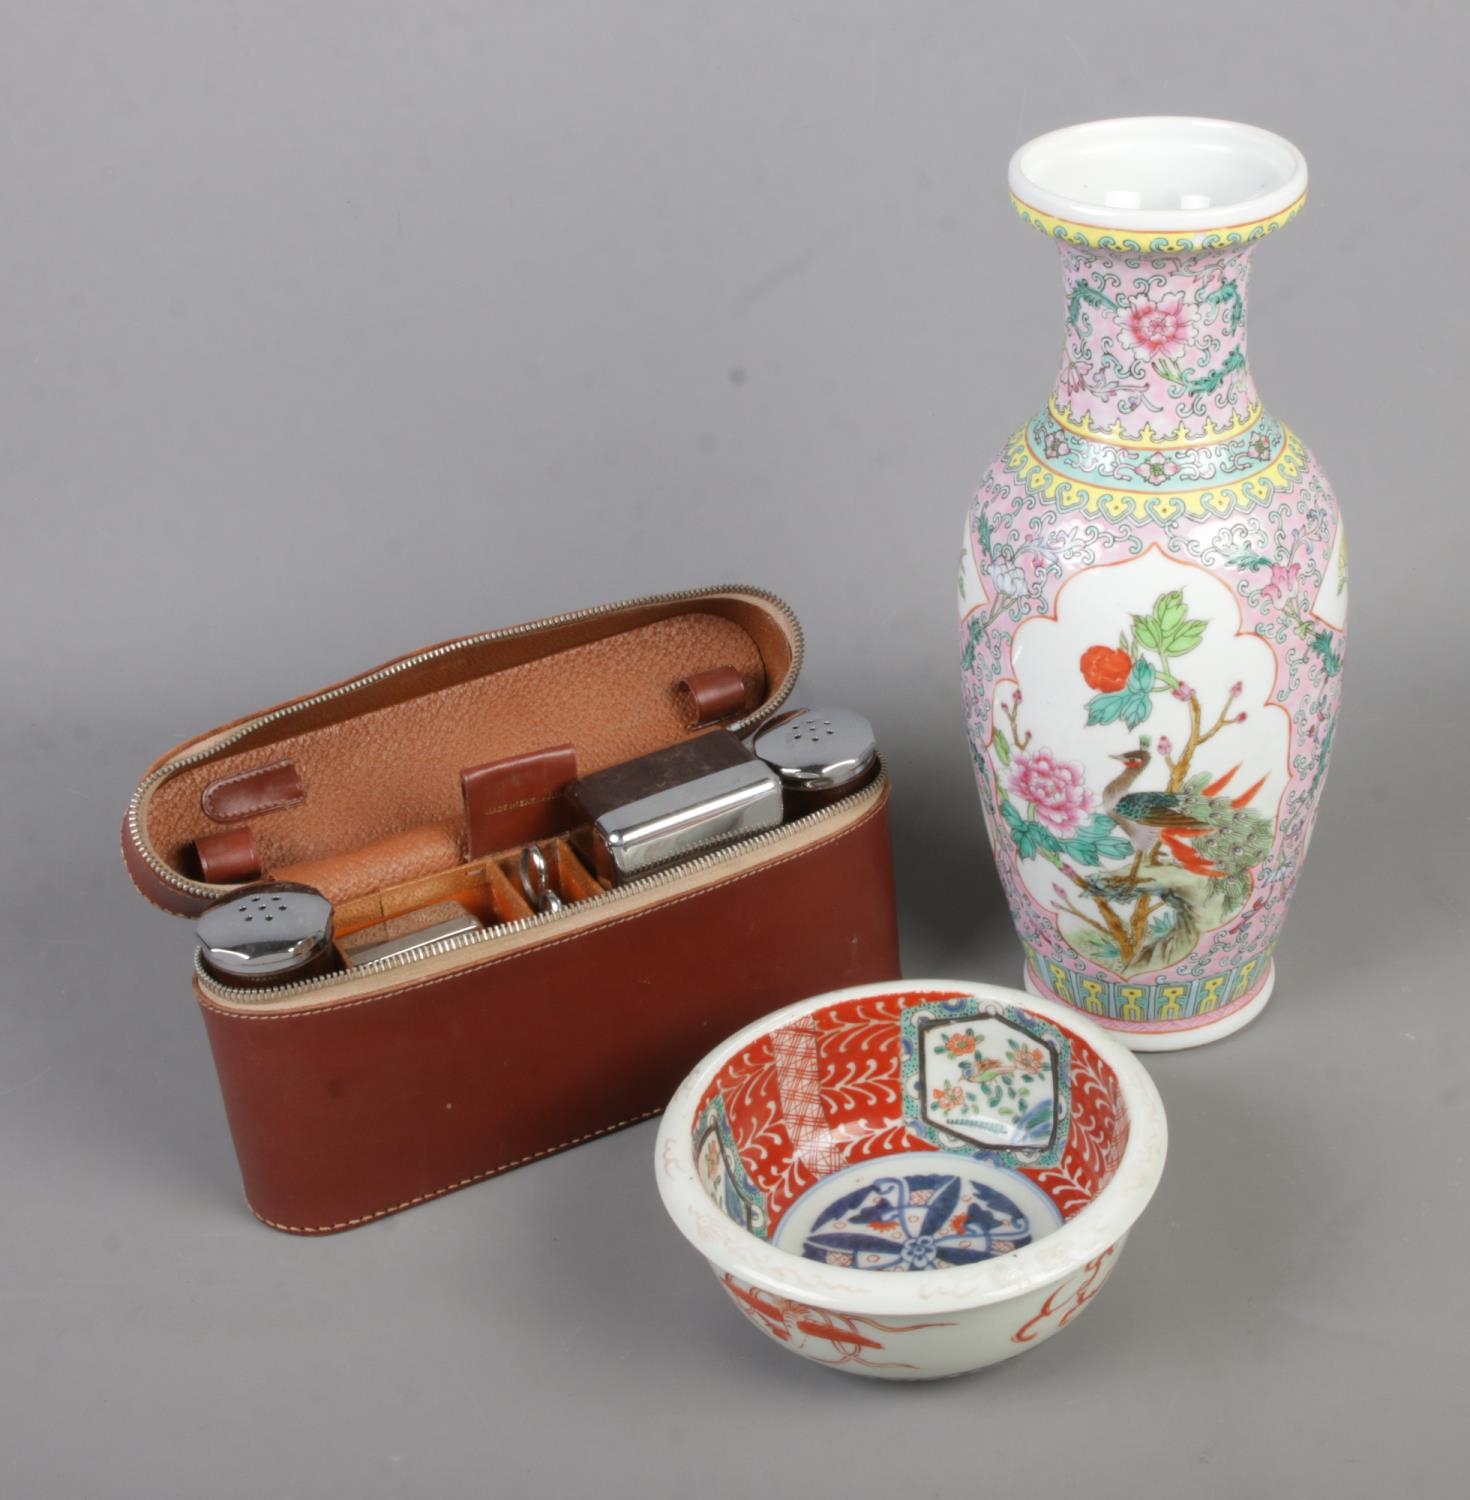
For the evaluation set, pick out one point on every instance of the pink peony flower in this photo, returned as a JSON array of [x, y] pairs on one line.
[[1162, 327], [1283, 582], [1054, 788]]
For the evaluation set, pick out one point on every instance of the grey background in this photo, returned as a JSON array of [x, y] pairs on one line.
[[327, 330]]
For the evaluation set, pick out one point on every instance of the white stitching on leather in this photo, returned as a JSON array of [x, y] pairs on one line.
[[208, 796], [382, 1213]]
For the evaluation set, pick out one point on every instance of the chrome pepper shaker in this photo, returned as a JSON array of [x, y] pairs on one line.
[[820, 754], [265, 935]]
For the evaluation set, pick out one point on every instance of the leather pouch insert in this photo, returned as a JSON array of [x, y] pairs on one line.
[[248, 794], [512, 801]]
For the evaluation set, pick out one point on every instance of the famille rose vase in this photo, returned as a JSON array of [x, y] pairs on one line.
[[1153, 593]]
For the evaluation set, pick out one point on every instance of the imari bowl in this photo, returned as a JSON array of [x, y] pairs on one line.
[[913, 1180]]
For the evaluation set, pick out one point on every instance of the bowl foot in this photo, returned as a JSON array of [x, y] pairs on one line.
[[1174, 1040]]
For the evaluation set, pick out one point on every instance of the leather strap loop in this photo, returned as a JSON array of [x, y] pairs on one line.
[[228, 858], [710, 697]]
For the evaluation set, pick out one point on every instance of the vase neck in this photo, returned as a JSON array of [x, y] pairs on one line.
[[1155, 345]]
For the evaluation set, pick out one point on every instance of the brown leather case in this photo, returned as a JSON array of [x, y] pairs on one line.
[[353, 1096]]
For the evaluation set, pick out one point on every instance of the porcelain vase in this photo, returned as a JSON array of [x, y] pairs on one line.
[[1153, 593]]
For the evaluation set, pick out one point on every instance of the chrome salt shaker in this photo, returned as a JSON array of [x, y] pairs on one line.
[[820, 754], [265, 935]]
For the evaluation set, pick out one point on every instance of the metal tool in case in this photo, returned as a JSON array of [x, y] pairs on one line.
[[267, 935], [663, 807], [536, 881], [403, 936]]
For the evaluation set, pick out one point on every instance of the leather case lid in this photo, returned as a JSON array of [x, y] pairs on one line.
[[378, 757]]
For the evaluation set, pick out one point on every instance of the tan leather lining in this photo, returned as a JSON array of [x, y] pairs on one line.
[[416, 852], [482, 885], [383, 761], [363, 989]]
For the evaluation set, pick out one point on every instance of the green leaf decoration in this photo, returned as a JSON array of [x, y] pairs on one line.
[[1171, 945], [1030, 838], [1098, 840], [1096, 945], [1252, 562], [1132, 703], [1081, 293], [1002, 748], [967, 657], [984, 526], [1168, 629], [1227, 295], [1135, 709], [1137, 700], [1105, 708], [1322, 645], [1169, 611], [1184, 637], [1196, 385], [1323, 755]]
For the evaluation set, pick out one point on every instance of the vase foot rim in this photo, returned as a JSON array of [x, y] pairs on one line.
[[1173, 1040]]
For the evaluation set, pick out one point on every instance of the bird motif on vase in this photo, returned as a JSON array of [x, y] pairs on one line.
[[1193, 851]]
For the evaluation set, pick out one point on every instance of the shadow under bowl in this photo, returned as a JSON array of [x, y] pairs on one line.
[[912, 1180]]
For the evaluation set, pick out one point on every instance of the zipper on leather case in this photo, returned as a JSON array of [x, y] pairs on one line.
[[199, 889], [486, 935]]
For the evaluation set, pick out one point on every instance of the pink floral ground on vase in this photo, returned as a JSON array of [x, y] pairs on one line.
[[1153, 598]]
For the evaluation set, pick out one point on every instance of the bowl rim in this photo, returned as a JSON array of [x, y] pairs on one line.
[[1090, 1233]]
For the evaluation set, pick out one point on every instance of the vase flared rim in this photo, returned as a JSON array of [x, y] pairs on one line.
[[1162, 182]]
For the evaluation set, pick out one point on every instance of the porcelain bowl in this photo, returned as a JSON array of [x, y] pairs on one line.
[[913, 1179]]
